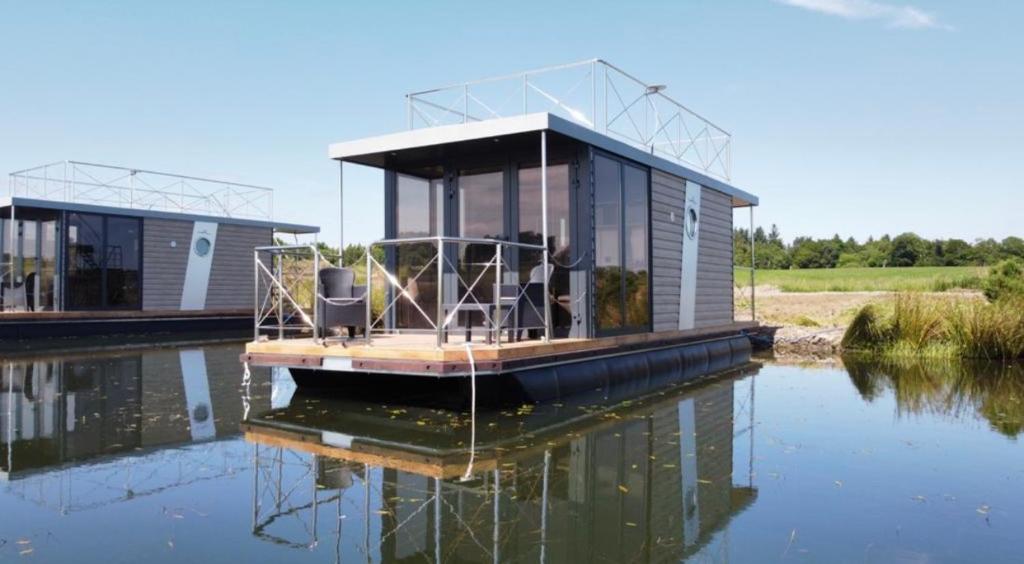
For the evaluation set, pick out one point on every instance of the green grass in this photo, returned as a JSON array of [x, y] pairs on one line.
[[919, 325], [912, 279]]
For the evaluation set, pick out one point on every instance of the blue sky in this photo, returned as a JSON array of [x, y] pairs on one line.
[[857, 117]]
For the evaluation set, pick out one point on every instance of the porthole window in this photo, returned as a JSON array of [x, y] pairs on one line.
[[691, 223], [202, 247]]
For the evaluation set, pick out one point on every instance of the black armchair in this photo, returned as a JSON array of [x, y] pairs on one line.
[[344, 303]]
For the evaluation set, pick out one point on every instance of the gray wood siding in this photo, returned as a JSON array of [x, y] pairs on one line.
[[231, 277], [667, 198], [714, 260], [163, 275]]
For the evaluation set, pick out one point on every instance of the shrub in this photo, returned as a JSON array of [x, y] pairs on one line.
[[1005, 280]]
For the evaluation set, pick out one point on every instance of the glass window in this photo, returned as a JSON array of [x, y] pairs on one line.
[[481, 205], [419, 213], [104, 262], [636, 271], [482, 215], [530, 231], [608, 233], [621, 230], [121, 261], [85, 262]]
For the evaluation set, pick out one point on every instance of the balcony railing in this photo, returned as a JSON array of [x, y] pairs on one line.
[[595, 94], [104, 185], [474, 290]]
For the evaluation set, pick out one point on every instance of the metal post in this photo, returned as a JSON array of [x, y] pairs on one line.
[[369, 293], [13, 244], [440, 293], [341, 214], [593, 92], [256, 297], [437, 520], [497, 515], [497, 296], [408, 106], [753, 267], [131, 189], [465, 103], [544, 508], [544, 228], [316, 294], [526, 94], [278, 270]]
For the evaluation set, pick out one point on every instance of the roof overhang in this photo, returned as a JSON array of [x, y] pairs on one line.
[[291, 228], [374, 151]]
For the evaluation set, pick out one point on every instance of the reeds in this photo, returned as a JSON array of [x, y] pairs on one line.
[[921, 326]]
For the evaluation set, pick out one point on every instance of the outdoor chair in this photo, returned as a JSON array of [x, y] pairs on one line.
[[343, 304]]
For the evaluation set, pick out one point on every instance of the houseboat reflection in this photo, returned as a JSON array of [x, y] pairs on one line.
[[653, 478], [117, 422]]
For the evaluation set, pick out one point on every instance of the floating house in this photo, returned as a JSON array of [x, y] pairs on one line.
[[550, 219], [91, 248]]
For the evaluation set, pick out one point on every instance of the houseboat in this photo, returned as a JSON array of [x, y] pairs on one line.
[[552, 226], [92, 249]]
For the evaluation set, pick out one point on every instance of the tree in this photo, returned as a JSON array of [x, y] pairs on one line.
[[907, 250]]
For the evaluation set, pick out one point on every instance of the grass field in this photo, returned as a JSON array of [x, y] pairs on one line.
[[913, 279]]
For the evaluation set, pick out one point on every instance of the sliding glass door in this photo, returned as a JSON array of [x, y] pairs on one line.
[[419, 212], [104, 262], [622, 276]]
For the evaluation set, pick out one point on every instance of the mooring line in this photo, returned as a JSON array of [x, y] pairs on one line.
[[472, 414]]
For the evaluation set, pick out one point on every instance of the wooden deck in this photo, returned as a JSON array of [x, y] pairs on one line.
[[419, 353]]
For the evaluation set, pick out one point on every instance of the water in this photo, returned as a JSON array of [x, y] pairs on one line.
[[140, 456]]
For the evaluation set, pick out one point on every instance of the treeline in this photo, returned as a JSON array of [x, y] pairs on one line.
[[354, 253], [907, 249]]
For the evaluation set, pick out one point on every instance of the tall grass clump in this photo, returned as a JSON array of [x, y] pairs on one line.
[[919, 326]]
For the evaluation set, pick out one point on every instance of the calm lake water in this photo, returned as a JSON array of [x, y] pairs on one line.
[[164, 455]]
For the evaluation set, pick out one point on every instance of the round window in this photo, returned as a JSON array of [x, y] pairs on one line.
[[691, 223], [202, 246]]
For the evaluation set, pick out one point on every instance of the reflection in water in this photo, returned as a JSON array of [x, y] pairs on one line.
[[138, 456], [79, 432], [650, 479], [989, 390]]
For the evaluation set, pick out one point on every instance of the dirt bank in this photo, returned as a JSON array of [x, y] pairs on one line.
[[812, 324]]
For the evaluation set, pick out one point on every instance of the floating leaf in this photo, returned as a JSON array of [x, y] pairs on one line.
[[623, 489]]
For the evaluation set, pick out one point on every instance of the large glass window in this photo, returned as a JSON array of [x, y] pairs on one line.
[[481, 215], [608, 237], [419, 213], [122, 262], [531, 231], [620, 225], [104, 262]]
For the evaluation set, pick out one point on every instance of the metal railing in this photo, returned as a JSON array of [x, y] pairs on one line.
[[105, 185], [288, 296], [592, 93]]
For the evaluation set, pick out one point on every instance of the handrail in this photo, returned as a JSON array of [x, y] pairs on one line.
[[280, 294], [447, 239], [593, 93]]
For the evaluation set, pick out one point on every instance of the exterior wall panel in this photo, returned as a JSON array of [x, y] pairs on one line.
[[667, 197], [715, 260], [231, 284], [163, 276]]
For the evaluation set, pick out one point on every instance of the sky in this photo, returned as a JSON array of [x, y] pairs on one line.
[[856, 117]]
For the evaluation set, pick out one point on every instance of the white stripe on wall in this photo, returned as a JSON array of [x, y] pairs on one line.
[[197, 273], [688, 281]]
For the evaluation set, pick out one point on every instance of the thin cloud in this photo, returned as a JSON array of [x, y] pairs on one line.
[[903, 17]]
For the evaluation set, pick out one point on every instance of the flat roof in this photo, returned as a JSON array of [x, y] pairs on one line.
[[373, 151], [18, 201]]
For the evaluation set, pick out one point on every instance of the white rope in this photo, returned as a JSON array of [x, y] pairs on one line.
[[472, 414]]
